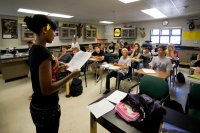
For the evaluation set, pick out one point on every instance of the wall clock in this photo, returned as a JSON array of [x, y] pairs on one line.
[[165, 22]]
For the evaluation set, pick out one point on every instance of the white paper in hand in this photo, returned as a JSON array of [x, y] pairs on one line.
[[78, 60]]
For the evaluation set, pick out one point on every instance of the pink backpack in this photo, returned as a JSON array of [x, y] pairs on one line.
[[126, 112]]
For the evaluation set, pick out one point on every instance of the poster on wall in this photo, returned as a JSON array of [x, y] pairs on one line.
[[117, 32], [9, 29]]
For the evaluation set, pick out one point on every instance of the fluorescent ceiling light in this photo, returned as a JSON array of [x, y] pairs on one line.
[[128, 1], [60, 15], [43, 13], [154, 13], [32, 11], [106, 22]]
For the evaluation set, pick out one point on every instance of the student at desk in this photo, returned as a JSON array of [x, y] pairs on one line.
[[146, 56], [136, 55], [64, 56], [172, 54], [154, 50], [161, 62], [124, 63], [197, 71], [75, 43], [197, 62], [98, 54]]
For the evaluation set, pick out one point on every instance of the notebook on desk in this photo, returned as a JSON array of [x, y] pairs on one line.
[[195, 76]]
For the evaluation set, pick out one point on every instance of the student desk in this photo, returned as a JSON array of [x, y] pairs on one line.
[[114, 124], [158, 74]]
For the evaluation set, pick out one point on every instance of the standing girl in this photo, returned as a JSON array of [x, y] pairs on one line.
[[44, 107]]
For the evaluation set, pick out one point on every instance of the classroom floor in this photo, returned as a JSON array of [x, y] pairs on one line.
[[75, 118]]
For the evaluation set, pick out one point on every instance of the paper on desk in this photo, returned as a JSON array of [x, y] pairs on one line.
[[106, 65], [78, 60], [100, 108], [116, 96], [148, 70], [114, 67]]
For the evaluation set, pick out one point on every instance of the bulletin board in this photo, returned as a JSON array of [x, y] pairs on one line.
[[191, 35]]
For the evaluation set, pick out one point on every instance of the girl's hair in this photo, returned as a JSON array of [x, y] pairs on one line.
[[37, 22], [138, 50]]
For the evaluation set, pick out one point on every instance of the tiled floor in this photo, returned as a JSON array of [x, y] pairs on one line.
[[14, 106]]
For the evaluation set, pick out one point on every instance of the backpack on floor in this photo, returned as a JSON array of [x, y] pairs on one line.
[[180, 77], [76, 87]]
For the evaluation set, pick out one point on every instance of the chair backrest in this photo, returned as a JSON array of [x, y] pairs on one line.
[[192, 106], [195, 96], [154, 87]]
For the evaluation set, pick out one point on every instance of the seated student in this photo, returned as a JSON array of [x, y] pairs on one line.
[[111, 48], [90, 48], [75, 50], [171, 52], [136, 53], [146, 56], [64, 56], [116, 49], [124, 62], [161, 62], [127, 46], [154, 50], [197, 71], [102, 47], [30, 44], [98, 54], [75, 43], [197, 62]]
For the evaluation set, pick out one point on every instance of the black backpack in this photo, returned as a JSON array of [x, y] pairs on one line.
[[180, 78], [151, 112], [76, 87]]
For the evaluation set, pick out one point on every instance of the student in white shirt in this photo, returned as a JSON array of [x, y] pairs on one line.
[[75, 44], [124, 63], [161, 62]]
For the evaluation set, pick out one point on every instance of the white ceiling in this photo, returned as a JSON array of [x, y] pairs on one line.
[[92, 11]]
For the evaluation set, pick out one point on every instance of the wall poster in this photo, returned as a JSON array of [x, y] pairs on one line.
[[9, 29]]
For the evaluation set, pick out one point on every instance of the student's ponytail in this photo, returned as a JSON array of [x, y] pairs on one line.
[[31, 25]]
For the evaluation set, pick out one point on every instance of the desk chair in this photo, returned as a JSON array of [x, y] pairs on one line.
[[192, 107], [154, 87], [127, 76]]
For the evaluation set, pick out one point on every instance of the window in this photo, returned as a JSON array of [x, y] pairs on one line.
[[165, 36]]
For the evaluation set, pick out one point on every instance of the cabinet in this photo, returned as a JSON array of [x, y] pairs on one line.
[[90, 33], [67, 32], [129, 33], [27, 34]]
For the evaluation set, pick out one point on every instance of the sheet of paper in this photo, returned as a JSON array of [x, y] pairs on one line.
[[78, 60], [116, 96], [114, 67], [106, 65], [148, 70], [100, 108]]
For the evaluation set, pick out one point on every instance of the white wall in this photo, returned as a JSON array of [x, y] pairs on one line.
[[148, 25], [18, 43]]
